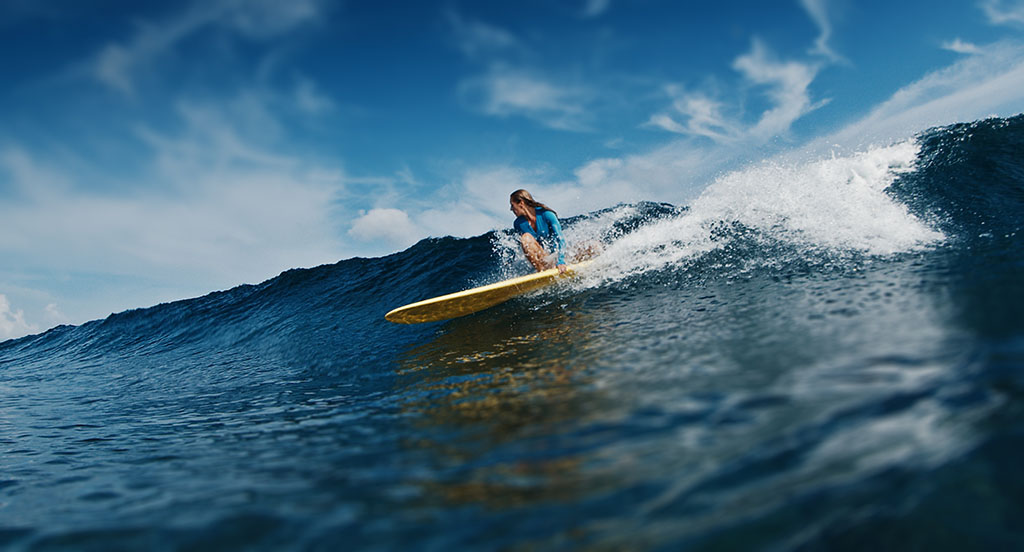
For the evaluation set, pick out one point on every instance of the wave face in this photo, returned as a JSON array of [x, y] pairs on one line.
[[819, 355]]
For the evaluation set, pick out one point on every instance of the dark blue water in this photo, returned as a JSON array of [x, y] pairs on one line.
[[827, 355]]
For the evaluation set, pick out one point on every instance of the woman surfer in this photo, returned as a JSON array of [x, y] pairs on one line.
[[537, 223]]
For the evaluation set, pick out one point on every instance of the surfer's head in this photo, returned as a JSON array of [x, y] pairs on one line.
[[523, 197]]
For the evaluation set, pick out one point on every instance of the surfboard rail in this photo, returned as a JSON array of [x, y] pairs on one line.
[[477, 299]]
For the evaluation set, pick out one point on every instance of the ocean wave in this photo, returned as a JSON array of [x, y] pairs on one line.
[[814, 354]]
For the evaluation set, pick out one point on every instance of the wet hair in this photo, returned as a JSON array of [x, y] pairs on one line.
[[523, 195]]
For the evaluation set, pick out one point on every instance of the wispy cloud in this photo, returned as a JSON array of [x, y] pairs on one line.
[[117, 64], [509, 86], [505, 91], [818, 11], [478, 39], [702, 115], [785, 83], [1004, 12], [961, 47]]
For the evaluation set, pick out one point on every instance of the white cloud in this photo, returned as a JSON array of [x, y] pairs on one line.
[[786, 84], [211, 208], [222, 227], [507, 87], [818, 12], [961, 47], [471, 222], [703, 117], [505, 92], [391, 226], [477, 39], [1002, 12], [117, 64], [674, 172], [215, 138], [12, 322], [665, 122]]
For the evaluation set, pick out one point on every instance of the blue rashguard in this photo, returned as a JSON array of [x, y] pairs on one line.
[[548, 232]]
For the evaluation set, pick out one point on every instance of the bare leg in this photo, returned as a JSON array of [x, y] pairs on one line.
[[534, 252]]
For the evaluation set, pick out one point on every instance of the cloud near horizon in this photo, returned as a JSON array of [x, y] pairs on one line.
[[389, 225], [12, 322], [215, 210]]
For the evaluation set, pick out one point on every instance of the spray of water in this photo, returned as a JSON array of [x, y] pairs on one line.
[[838, 205]]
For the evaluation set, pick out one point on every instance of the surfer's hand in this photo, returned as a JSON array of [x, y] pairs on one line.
[[561, 269]]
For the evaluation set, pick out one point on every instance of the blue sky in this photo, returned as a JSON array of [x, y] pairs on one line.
[[156, 151]]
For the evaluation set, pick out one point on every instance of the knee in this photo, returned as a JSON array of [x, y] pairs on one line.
[[527, 240]]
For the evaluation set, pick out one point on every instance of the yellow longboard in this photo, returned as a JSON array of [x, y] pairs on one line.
[[466, 302]]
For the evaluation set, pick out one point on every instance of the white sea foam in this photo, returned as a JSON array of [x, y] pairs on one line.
[[836, 204]]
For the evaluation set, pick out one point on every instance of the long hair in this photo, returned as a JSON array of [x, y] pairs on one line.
[[523, 195]]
